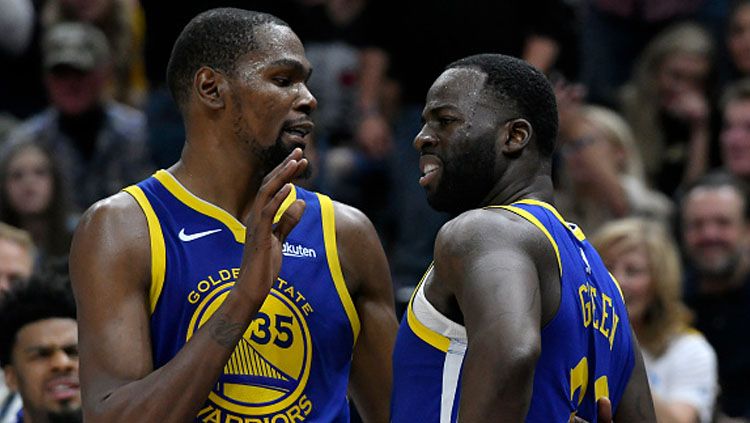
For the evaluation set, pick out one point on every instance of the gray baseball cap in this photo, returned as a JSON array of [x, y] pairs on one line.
[[75, 44]]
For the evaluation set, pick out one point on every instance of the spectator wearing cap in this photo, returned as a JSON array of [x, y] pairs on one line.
[[100, 143]]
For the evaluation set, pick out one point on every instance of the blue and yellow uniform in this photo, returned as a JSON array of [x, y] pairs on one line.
[[587, 349], [292, 363]]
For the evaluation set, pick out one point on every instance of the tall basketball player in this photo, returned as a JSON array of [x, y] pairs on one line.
[[517, 319], [216, 290]]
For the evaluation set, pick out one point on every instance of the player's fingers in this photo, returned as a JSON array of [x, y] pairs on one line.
[[275, 182], [272, 207], [301, 166], [604, 410], [289, 219], [296, 154]]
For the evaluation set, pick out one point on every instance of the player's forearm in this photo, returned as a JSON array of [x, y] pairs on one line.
[[176, 391], [497, 385]]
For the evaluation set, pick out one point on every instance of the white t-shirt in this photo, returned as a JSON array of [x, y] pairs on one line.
[[686, 372]]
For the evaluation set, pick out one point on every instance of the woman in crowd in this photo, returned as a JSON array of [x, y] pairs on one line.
[[33, 197], [668, 104], [681, 365], [601, 177]]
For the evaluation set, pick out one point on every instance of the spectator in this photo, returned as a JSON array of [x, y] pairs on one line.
[[39, 351], [34, 197], [123, 24], [602, 172], [735, 133], [667, 103], [16, 257], [714, 229], [738, 38], [680, 363], [100, 144], [613, 34]]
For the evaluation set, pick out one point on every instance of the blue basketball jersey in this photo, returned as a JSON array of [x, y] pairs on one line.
[[587, 348], [292, 363]]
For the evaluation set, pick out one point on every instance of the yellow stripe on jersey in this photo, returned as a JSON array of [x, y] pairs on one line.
[[285, 205], [158, 250], [201, 206], [329, 239], [617, 284], [577, 231], [423, 332], [530, 217]]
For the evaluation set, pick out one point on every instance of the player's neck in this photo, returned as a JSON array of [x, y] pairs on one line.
[[537, 187], [224, 180]]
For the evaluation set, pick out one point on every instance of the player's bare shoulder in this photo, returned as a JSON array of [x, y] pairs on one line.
[[112, 232]]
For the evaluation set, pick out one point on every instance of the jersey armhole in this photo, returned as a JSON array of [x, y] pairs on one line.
[[334, 265], [158, 249], [534, 221]]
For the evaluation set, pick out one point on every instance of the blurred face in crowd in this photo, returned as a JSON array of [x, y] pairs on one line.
[[681, 74], [585, 146], [87, 10], [735, 138], [29, 184], [714, 229], [16, 264], [44, 370], [738, 40], [73, 91], [631, 267]]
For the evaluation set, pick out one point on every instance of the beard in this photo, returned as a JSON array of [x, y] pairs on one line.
[[65, 416], [721, 270], [467, 178], [274, 155]]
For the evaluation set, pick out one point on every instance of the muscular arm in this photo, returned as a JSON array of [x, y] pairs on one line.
[[483, 258], [110, 273], [366, 270], [636, 404]]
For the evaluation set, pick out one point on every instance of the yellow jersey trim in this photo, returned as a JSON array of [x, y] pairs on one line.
[[158, 250], [530, 217], [423, 332], [617, 284], [201, 206], [577, 231], [332, 254], [601, 387], [291, 198]]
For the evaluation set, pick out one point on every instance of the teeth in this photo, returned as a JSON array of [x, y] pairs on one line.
[[430, 168]]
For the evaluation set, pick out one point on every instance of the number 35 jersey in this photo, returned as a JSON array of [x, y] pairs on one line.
[[292, 363], [587, 348]]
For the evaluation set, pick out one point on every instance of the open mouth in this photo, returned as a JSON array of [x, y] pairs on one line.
[[62, 389], [299, 130]]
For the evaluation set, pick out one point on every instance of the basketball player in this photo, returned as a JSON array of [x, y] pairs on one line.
[[517, 319], [181, 313]]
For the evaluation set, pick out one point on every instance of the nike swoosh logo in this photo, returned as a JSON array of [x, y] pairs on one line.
[[192, 237]]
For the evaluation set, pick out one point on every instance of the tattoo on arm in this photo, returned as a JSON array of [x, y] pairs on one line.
[[226, 333]]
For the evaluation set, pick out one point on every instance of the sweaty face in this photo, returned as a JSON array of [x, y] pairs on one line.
[[735, 138], [714, 230], [457, 141], [270, 101], [44, 369]]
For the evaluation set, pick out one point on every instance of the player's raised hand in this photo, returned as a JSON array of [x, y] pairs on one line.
[[261, 261], [603, 410]]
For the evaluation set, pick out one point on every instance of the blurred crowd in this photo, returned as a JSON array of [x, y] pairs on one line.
[[653, 155]]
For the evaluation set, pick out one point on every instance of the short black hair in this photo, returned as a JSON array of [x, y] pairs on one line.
[[524, 89], [215, 38], [43, 297], [715, 180]]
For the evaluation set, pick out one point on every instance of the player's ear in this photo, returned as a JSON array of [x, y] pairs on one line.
[[517, 136], [10, 377], [210, 86]]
